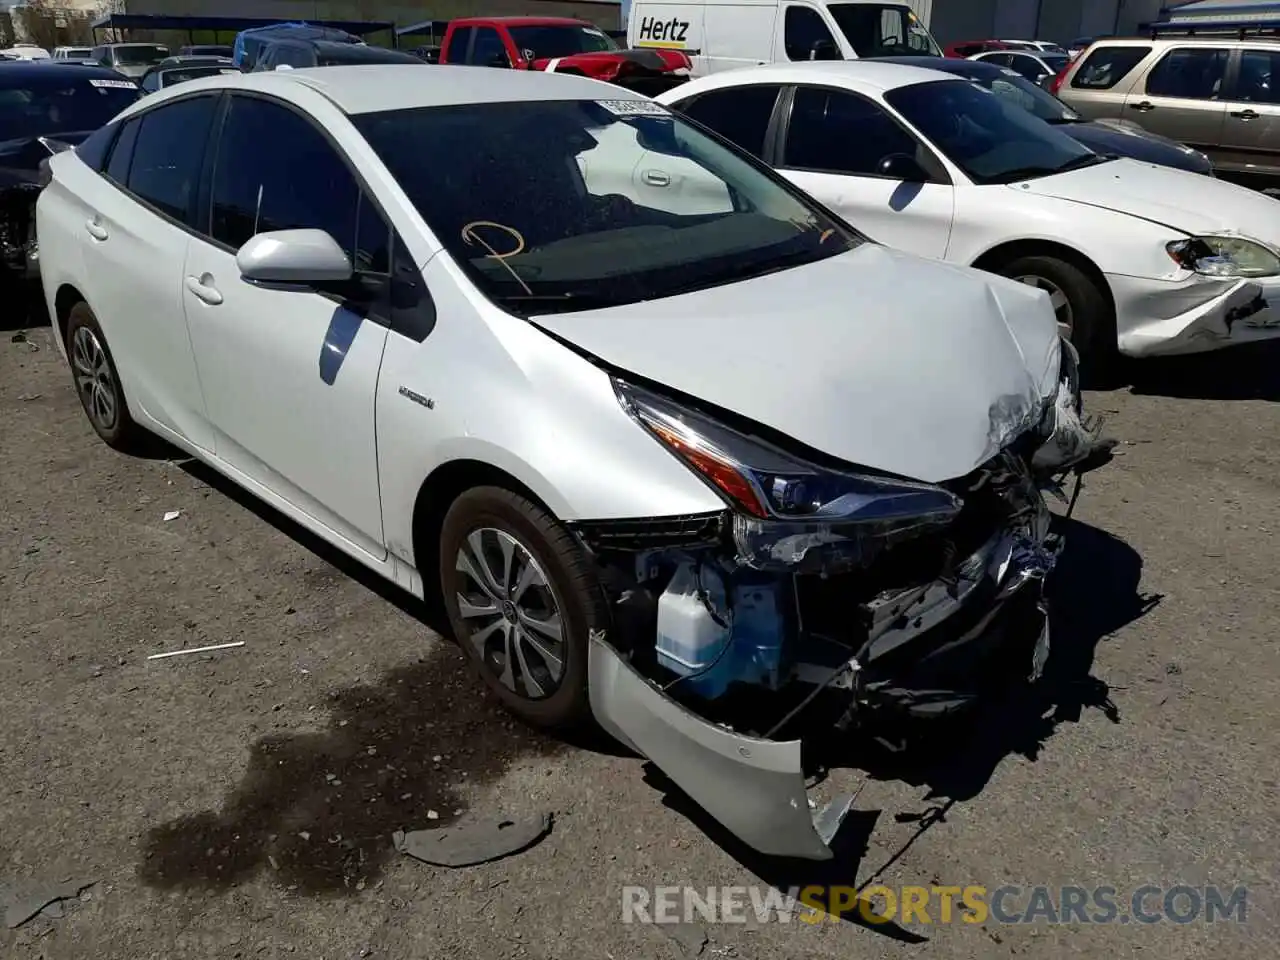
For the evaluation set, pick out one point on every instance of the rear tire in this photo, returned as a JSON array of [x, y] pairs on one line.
[[97, 382], [1079, 304], [522, 600]]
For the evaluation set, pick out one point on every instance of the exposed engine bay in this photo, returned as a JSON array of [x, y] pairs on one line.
[[820, 595], [18, 193]]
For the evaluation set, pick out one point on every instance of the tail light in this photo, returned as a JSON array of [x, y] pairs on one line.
[[1056, 84]]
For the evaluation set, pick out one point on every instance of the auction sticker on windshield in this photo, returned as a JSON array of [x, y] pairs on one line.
[[113, 84], [634, 108]]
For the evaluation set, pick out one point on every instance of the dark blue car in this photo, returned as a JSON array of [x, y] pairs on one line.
[[1114, 139], [45, 106]]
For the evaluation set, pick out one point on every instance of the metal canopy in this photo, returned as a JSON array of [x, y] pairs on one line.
[[434, 27], [147, 21]]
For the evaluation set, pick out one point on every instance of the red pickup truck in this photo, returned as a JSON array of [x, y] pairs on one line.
[[562, 45]]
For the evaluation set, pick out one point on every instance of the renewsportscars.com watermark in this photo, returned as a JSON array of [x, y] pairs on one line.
[[1008, 904]]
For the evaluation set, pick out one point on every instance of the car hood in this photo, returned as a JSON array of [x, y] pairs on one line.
[[1137, 144], [607, 63], [1173, 198], [875, 357]]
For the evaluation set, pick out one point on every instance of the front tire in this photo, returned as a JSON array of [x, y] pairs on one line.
[[1083, 310], [522, 600], [97, 381]]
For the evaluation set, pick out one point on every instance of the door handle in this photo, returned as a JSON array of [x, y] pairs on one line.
[[1146, 106], [203, 289], [656, 178], [96, 229], [1245, 114]]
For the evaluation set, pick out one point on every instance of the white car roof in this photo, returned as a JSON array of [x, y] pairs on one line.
[[864, 75], [371, 88]]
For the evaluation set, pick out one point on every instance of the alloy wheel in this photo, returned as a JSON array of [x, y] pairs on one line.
[[512, 613], [1058, 298], [94, 379]]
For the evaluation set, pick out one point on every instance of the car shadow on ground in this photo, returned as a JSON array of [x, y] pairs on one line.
[[22, 306], [316, 811], [1246, 372], [1094, 593]]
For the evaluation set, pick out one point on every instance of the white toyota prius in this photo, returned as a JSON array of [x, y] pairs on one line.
[[1139, 258], [654, 459]]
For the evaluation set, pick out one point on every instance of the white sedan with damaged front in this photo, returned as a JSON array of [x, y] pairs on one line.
[[659, 460], [1137, 258]]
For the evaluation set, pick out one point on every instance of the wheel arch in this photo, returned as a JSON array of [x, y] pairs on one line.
[[436, 495], [990, 261], [66, 297]]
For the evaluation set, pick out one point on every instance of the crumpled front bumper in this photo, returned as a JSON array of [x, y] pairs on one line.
[[755, 787], [1166, 318]]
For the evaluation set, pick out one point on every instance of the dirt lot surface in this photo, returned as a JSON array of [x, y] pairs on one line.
[[241, 803]]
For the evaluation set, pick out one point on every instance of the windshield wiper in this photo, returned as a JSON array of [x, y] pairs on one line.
[[1088, 160], [559, 302], [1023, 173], [1028, 173]]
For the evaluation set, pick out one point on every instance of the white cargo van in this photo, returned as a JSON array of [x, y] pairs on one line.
[[724, 34]]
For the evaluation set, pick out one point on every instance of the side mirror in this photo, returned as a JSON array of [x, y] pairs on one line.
[[902, 166], [824, 50], [299, 258]]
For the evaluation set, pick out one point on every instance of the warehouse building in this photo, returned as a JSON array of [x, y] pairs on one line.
[[949, 20], [1057, 20]]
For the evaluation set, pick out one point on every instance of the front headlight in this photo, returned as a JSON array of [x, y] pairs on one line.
[[762, 481], [1225, 257]]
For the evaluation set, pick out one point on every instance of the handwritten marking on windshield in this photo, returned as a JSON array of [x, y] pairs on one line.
[[471, 238]]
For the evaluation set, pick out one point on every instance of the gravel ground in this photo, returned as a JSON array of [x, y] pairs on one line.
[[241, 803]]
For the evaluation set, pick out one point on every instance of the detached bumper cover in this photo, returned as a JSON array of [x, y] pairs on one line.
[[1166, 318], [755, 787]]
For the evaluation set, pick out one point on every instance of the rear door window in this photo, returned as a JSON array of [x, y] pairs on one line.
[[169, 154], [739, 114], [1258, 80], [1107, 66], [1189, 73]]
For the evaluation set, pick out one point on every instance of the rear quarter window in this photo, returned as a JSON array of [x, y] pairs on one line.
[[1106, 66]]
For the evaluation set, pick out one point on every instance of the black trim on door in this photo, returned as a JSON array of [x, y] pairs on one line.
[[138, 118]]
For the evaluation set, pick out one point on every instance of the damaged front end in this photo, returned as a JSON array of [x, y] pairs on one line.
[[820, 594], [19, 255]]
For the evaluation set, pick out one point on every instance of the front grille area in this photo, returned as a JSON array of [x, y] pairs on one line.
[[652, 533], [829, 605]]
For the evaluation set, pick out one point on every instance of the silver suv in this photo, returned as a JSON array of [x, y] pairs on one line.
[[1218, 94]]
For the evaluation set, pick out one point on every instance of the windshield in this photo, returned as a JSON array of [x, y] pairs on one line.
[[39, 108], [137, 55], [569, 205], [883, 30], [77, 53], [560, 41], [989, 137], [1013, 87]]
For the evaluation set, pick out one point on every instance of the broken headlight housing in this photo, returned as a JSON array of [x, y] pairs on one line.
[[785, 505], [1225, 257]]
